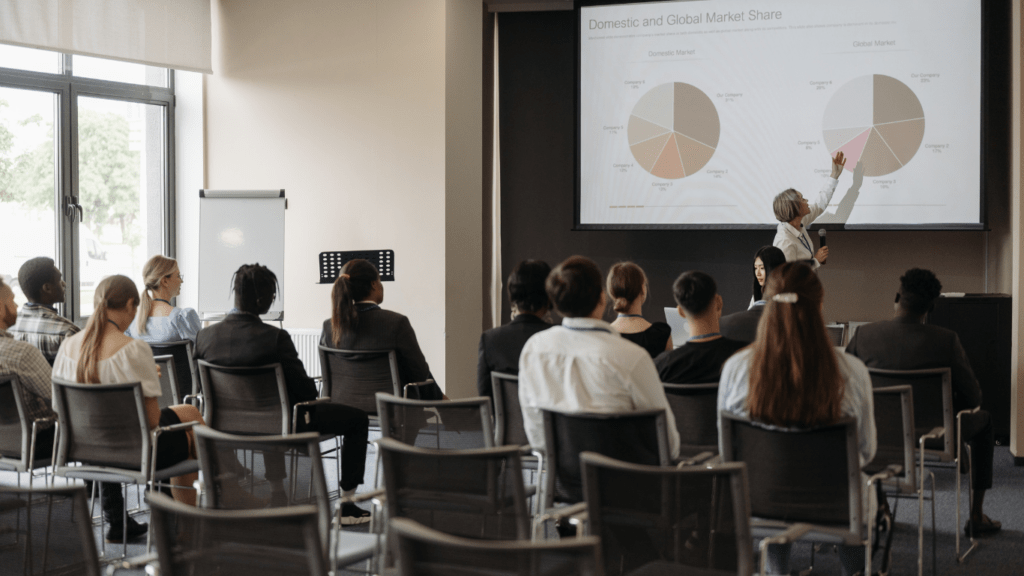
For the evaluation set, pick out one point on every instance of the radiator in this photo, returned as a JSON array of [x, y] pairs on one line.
[[306, 342]]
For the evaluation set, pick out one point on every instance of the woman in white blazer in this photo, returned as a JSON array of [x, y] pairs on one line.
[[794, 214]]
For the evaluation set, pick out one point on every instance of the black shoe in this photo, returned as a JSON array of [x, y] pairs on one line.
[[116, 532], [352, 515]]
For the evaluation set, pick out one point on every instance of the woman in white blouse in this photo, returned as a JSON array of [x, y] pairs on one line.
[[157, 320], [794, 214], [792, 377], [103, 354]]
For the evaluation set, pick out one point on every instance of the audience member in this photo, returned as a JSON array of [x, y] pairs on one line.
[[907, 343], [33, 371], [700, 360], [793, 378], [103, 354], [584, 365], [742, 326], [500, 347], [358, 322], [243, 339], [627, 285], [158, 320], [38, 321]]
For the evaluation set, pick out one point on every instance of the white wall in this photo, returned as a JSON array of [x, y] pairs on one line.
[[342, 104], [189, 179]]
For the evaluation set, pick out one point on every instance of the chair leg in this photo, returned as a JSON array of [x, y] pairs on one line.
[[970, 489]]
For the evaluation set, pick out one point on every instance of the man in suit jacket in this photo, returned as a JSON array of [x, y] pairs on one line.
[[907, 343], [500, 347], [242, 339], [742, 326]]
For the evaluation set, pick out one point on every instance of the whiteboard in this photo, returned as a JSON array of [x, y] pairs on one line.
[[236, 228]]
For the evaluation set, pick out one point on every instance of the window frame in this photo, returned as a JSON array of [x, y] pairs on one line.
[[68, 88]]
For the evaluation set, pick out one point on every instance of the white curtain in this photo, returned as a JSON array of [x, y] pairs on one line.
[[166, 33], [496, 198]]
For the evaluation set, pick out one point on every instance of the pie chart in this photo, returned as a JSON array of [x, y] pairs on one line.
[[673, 130], [874, 120]]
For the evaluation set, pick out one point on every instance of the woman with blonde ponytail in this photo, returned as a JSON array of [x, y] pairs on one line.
[[627, 287], [103, 354], [792, 377], [159, 321]]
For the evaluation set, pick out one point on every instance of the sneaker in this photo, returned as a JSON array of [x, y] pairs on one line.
[[352, 515], [135, 530]]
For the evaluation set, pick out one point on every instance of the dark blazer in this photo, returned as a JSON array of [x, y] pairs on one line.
[[245, 340], [741, 326], [905, 344], [500, 348], [380, 329]]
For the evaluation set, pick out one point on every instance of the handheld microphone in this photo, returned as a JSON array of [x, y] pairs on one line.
[[823, 242]]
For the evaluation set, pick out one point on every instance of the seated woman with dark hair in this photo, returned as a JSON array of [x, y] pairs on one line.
[[792, 377], [627, 285], [102, 354], [358, 322], [500, 347], [243, 339], [768, 258]]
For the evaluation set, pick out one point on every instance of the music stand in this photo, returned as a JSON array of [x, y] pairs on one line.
[[331, 263]]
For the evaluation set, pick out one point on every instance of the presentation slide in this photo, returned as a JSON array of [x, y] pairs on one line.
[[696, 114]]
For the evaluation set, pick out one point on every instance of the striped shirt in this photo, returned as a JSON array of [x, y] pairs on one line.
[[27, 363], [43, 328]]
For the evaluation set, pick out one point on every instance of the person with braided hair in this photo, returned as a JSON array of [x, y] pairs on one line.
[[243, 339], [159, 321]]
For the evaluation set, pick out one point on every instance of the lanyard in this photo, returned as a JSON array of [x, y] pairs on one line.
[[803, 240], [630, 316], [161, 300], [368, 308], [588, 329], [703, 336]]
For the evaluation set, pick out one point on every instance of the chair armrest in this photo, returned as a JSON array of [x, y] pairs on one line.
[[295, 410], [937, 432], [694, 460], [968, 411], [890, 471], [557, 514], [362, 497], [45, 419], [172, 428]]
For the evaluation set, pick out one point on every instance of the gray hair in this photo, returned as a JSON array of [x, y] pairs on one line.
[[787, 205]]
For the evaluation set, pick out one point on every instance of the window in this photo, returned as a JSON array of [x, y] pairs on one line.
[[86, 168]]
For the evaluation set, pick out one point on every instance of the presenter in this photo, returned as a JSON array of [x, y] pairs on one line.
[[794, 214]]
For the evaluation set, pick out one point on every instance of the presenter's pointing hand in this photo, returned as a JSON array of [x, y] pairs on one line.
[[822, 252], [837, 164]]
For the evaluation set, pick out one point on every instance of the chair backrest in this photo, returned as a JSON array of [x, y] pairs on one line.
[[807, 475], [280, 541], [291, 464], [469, 493], [245, 400], [933, 403], [103, 425], [894, 429], [426, 552], [695, 407], [441, 424], [837, 333], [168, 381], [509, 429], [697, 517], [46, 531], [639, 437], [184, 364], [353, 377], [14, 428]]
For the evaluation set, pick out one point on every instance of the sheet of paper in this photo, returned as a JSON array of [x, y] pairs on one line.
[[680, 327]]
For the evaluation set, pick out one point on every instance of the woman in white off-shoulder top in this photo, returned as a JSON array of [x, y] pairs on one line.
[[157, 320], [103, 354]]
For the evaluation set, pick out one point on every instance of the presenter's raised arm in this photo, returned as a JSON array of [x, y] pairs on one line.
[[825, 196]]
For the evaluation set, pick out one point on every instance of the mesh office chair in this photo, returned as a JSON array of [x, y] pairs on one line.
[[193, 541], [655, 519], [469, 493], [836, 333], [291, 474], [936, 428], [441, 424], [509, 429], [104, 427], [184, 366], [46, 531], [353, 377], [17, 433], [695, 407], [168, 381], [804, 484], [422, 551]]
